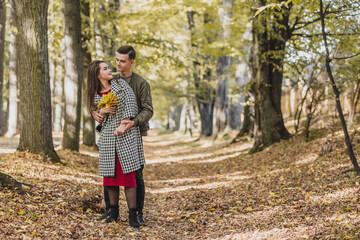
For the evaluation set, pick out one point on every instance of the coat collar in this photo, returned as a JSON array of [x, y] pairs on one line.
[[115, 86]]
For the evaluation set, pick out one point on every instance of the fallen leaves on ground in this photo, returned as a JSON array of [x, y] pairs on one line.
[[194, 191]]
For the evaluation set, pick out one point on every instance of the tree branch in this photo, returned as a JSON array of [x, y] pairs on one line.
[[327, 34], [343, 58]]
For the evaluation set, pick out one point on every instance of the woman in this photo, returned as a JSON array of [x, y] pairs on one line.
[[120, 153]]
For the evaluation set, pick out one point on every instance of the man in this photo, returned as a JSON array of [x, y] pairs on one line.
[[125, 57]]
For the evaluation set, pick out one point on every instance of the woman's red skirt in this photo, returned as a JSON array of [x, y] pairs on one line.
[[120, 179]]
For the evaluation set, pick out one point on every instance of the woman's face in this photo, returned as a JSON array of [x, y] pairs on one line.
[[105, 72]]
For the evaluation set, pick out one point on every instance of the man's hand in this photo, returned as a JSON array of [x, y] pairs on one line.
[[119, 130], [128, 124]]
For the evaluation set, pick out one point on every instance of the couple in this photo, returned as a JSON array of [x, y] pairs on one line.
[[121, 155]]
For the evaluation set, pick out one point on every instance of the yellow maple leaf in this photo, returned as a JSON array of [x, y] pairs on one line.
[[192, 220], [339, 218]]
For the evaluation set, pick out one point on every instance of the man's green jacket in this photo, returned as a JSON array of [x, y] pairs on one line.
[[142, 92]]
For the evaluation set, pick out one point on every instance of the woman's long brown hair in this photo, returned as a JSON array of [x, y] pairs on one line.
[[93, 84]]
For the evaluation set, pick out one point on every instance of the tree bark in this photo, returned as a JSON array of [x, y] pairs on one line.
[[2, 45], [13, 104], [88, 121], [203, 89], [221, 96], [249, 119], [354, 103], [35, 103], [73, 74], [59, 95], [6, 181], [337, 93], [267, 77], [174, 117], [236, 108], [222, 75]]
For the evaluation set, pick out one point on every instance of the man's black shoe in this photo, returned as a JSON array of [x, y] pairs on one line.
[[140, 219], [105, 215]]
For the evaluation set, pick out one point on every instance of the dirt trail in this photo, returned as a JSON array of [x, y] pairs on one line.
[[194, 190]]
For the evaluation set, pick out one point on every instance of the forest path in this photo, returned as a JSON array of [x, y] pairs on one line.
[[194, 190], [9, 145]]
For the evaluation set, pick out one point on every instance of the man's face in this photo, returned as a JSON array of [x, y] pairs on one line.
[[123, 63]]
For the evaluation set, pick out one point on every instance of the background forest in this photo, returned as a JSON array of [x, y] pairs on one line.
[[213, 66], [260, 83]]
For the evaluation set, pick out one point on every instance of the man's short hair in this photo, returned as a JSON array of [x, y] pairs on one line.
[[127, 49]]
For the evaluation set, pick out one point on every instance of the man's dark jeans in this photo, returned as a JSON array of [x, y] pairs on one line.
[[140, 191]]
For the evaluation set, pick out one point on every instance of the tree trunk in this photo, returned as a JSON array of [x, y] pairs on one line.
[[7, 181], [206, 114], [174, 117], [191, 116], [97, 40], [267, 78], [59, 96], [109, 44], [234, 115], [249, 119], [52, 75], [183, 119], [2, 45], [222, 74], [35, 103], [88, 121], [73, 74], [354, 103], [13, 104], [203, 89], [221, 96], [186, 120], [236, 108], [337, 93]]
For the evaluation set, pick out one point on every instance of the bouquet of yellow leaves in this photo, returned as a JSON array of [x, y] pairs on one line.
[[108, 100]]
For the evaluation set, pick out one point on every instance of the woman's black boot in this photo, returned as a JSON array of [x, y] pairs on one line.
[[105, 215], [133, 219], [114, 214]]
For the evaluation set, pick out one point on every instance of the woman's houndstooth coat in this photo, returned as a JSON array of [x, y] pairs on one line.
[[129, 145]]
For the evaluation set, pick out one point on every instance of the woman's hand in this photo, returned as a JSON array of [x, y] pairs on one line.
[[97, 116], [111, 109]]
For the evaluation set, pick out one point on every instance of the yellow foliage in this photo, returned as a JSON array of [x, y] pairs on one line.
[[108, 100]]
